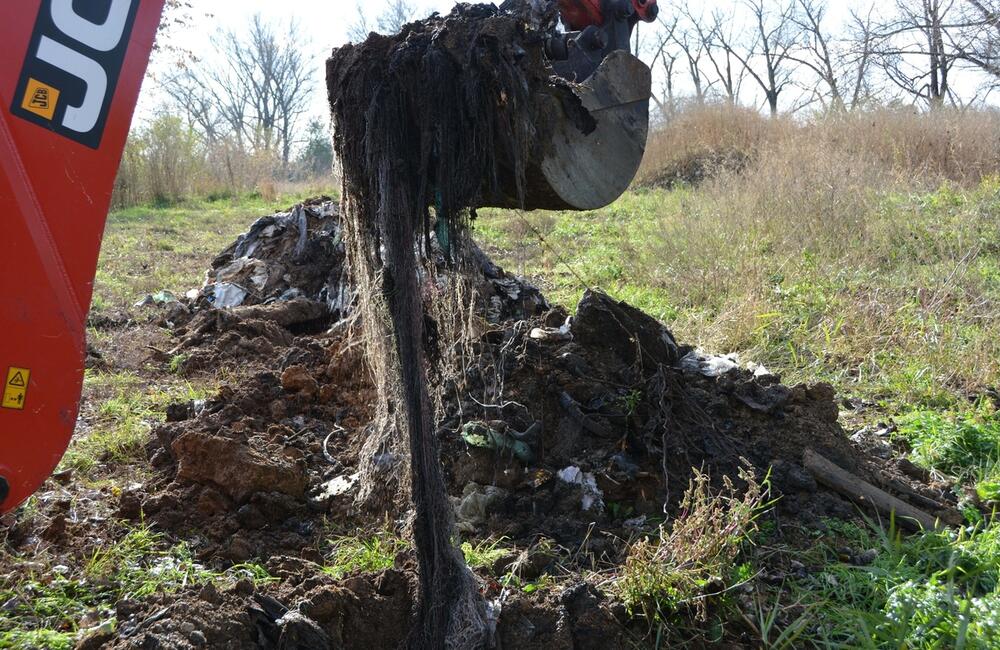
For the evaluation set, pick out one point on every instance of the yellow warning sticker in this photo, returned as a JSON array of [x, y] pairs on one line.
[[15, 390], [40, 99]]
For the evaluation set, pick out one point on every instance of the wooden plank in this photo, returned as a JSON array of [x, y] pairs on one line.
[[860, 491]]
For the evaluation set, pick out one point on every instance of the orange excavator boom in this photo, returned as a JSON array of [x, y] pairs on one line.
[[68, 89]]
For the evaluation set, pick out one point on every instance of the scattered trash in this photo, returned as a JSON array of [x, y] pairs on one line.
[[710, 365], [485, 436], [593, 498], [473, 507], [874, 440], [553, 334], [283, 257], [159, 298], [225, 295], [338, 486]]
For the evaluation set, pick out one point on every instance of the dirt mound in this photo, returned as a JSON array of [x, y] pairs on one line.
[[316, 613], [288, 255], [579, 430]]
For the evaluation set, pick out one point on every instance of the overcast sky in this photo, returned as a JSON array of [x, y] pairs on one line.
[[325, 25]]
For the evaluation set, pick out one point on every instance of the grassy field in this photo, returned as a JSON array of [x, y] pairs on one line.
[[864, 253], [154, 248], [874, 266]]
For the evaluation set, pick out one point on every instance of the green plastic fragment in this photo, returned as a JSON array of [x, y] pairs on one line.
[[483, 436]]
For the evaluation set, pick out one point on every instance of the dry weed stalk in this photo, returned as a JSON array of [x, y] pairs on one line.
[[686, 565]]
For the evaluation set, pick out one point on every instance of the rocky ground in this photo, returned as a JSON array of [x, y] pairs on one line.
[[565, 438]]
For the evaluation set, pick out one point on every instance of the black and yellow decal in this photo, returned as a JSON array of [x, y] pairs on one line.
[[72, 66], [15, 389]]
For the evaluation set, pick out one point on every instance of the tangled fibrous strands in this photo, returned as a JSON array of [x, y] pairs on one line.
[[444, 114]]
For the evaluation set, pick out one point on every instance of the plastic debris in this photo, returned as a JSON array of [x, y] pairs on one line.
[[225, 295], [472, 508], [159, 298], [338, 486], [485, 436], [710, 365], [593, 498], [553, 334], [283, 257]]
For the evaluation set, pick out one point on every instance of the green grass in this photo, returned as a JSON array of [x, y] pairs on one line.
[[46, 603], [484, 554], [121, 410], [964, 446], [932, 590], [358, 554]]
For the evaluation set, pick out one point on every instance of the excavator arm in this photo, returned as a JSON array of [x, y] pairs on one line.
[[68, 88]]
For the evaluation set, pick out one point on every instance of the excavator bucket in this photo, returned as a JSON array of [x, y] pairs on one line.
[[586, 172], [576, 168], [68, 86]]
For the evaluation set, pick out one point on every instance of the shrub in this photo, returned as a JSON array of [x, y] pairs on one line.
[[690, 563], [706, 141]]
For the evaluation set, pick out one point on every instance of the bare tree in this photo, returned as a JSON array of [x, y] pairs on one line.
[[858, 59], [255, 92], [818, 53], [718, 37], [359, 30], [665, 59], [395, 15], [196, 102], [168, 51], [916, 49], [767, 60], [980, 41], [692, 46]]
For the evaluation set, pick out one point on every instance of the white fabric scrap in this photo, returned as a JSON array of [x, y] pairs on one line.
[[593, 498]]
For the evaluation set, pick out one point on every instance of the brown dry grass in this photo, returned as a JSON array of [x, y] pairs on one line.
[[702, 142]]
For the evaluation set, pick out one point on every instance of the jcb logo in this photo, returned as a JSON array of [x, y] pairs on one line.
[[73, 64]]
